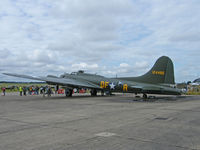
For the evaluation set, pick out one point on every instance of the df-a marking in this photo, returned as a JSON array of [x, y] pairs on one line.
[[105, 84]]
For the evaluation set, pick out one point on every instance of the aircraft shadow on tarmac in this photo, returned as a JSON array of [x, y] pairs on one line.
[[161, 98], [116, 98]]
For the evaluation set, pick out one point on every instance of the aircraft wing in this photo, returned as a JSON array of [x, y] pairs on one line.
[[158, 89], [60, 81], [22, 76]]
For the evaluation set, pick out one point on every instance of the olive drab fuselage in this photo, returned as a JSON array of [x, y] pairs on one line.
[[121, 85]]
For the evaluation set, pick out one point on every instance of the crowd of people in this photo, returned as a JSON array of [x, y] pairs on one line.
[[37, 90], [31, 90]]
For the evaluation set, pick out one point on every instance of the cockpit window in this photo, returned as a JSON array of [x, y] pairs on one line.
[[74, 73]]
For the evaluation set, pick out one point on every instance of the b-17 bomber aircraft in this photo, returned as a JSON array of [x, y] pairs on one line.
[[159, 80]]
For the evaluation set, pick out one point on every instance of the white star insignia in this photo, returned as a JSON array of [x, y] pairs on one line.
[[112, 86]]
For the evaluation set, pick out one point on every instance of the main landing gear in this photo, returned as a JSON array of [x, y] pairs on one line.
[[68, 92], [93, 92], [145, 96], [102, 93]]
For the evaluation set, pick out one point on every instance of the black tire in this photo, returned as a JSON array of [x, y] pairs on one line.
[[93, 92], [145, 96], [68, 92]]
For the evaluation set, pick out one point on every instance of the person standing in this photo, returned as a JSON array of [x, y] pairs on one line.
[[43, 91], [24, 90], [20, 90], [4, 91], [37, 90], [30, 90], [49, 91]]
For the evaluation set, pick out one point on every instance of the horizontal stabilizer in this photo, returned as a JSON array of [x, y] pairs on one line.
[[146, 88]]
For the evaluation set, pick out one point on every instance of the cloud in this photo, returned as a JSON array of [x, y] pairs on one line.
[[141, 65], [124, 65], [84, 66], [41, 56], [122, 37], [186, 37]]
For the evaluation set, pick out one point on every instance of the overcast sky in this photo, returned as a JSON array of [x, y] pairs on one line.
[[107, 37]]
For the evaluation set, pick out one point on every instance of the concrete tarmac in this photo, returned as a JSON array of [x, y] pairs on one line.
[[99, 123]]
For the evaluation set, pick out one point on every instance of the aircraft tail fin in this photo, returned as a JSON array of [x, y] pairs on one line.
[[161, 72]]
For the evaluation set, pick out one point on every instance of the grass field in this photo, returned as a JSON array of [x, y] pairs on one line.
[[193, 93]]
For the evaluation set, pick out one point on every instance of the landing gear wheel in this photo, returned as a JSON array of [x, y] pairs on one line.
[[93, 92], [102, 93], [136, 96], [145, 96], [68, 92], [108, 93]]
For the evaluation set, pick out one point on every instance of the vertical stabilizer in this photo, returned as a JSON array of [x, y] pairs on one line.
[[161, 72]]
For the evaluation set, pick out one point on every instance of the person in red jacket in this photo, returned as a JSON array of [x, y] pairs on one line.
[[4, 91]]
